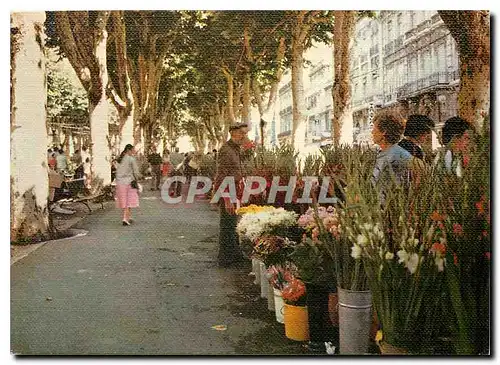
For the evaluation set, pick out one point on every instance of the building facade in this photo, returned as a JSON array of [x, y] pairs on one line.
[[401, 61], [318, 83], [406, 62]]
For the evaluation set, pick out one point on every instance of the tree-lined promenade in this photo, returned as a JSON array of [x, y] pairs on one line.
[[196, 72]]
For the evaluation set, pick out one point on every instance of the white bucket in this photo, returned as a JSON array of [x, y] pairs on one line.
[[256, 271], [264, 282], [279, 306], [270, 298]]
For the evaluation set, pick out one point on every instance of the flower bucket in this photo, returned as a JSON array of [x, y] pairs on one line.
[[279, 304], [256, 271], [296, 322], [355, 320], [264, 281], [317, 297], [270, 298]]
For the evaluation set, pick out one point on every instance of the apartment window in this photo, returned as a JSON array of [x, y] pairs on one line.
[[389, 31], [375, 63], [426, 65], [400, 23], [412, 19], [374, 34]]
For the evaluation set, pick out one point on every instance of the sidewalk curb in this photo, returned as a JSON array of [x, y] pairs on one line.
[[75, 233]]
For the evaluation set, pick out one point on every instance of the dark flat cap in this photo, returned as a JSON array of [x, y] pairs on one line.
[[236, 126]]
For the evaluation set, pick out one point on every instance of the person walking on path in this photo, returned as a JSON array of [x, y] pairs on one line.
[[127, 175], [176, 160], [229, 164], [155, 161]]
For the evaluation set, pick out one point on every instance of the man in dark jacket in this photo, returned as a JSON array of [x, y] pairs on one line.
[[155, 161], [229, 164], [418, 133]]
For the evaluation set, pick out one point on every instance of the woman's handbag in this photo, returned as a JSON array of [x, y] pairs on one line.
[[134, 184]]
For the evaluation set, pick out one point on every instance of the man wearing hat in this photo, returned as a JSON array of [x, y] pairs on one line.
[[229, 164], [418, 135]]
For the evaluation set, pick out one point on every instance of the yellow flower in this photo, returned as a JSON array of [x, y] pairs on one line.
[[253, 209], [379, 336]]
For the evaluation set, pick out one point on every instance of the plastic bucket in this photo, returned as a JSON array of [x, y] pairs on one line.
[[355, 320], [264, 281], [278, 306], [256, 271], [270, 298], [296, 322]]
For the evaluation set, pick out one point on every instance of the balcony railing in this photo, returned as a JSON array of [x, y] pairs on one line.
[[423, 26], [436, 18], [410, 33], [435, 79]]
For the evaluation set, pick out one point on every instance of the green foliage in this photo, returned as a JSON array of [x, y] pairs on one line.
[[63, 96]]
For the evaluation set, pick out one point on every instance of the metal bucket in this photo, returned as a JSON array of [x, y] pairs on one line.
[[256, 271], [264, 282], [355, 319]]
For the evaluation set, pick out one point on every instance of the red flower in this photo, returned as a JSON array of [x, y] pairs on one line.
[[462, 143], [466, 160], [455, 258], [488, 255], [439, 247], [485, 233], [457, 229], [293, 291]]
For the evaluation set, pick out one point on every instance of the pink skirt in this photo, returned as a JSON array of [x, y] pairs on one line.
[[126, 197]]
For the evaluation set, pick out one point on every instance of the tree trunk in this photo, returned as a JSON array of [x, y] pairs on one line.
[[29, 215], [471, 31], [342, 121], [101, 155], [298, 100]]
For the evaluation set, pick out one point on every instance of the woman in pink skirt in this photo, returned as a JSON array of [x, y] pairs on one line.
[[127, 171]]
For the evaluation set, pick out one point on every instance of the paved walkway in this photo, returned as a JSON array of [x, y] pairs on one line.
[[149, 289]]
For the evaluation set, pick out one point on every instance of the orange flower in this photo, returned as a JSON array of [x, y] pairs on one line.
[[436, 217]]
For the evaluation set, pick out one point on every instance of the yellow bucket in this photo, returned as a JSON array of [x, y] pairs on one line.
[[296, 323]]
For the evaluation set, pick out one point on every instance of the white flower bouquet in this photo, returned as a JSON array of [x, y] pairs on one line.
[[268, 234], [275, 221]]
